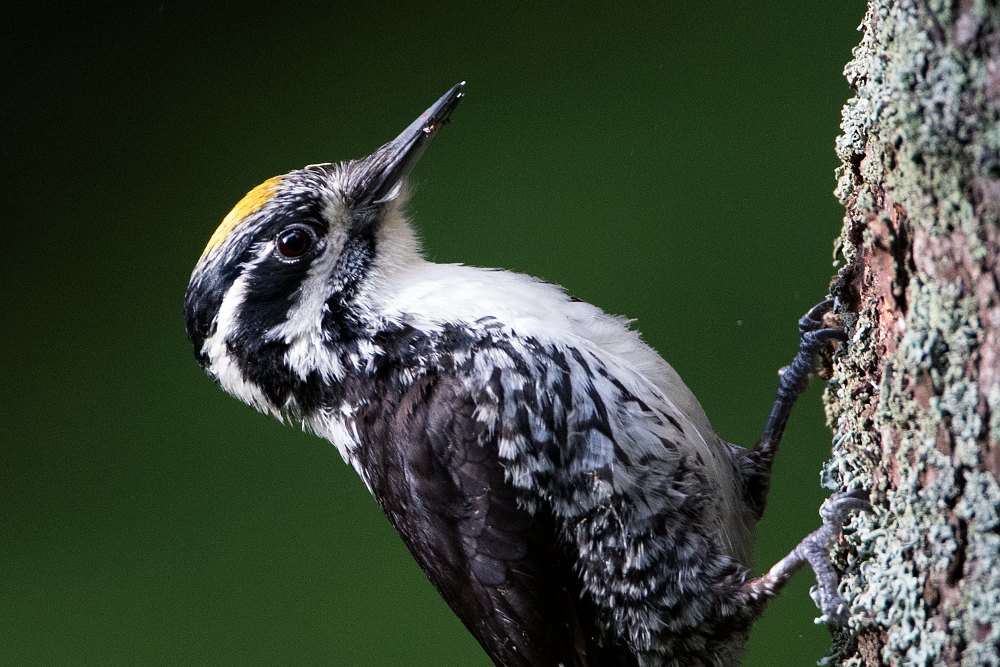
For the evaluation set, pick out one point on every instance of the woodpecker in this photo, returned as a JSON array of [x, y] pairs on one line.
[[554, 477]]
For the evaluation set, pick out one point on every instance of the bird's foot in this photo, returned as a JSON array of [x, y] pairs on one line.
[[814, 551], [814, 337]]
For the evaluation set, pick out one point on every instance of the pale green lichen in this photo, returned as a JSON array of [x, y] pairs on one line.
[[920, 131], [993, 400]]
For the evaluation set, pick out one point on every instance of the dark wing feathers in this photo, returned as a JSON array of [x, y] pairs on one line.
[[500, 568]]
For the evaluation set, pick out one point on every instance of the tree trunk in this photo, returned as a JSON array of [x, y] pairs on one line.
[[915, 400]]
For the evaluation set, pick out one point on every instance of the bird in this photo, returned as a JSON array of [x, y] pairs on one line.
[[552, 475]]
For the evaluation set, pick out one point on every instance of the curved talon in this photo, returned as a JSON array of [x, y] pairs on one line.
[[820, 309], [836, 508], [813, 319]]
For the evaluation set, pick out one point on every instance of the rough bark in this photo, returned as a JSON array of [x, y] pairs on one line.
[[915, 400]]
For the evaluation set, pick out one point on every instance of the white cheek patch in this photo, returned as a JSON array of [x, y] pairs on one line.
[[302, 330]]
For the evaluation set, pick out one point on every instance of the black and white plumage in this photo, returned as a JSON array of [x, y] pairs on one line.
[[552, 475]]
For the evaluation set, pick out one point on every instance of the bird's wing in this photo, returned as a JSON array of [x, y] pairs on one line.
[[500, 568], [577, 427], [636, 490]]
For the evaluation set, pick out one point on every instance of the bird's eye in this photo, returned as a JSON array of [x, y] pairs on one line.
[[294, 242]]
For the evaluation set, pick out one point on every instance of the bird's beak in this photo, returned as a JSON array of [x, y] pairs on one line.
[[390, 165]]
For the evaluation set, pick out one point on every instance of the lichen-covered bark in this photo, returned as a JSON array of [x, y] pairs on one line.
[[915, 400]]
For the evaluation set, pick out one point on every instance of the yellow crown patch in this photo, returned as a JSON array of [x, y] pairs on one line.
[[250, 204]]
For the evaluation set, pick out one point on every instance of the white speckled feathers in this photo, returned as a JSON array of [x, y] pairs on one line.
[[405, 288]]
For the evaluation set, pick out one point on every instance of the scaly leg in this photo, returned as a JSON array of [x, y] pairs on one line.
[[792, 381]]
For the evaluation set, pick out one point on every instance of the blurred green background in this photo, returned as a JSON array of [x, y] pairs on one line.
[[671, 161]]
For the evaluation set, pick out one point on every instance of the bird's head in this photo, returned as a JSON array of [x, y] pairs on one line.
[[281, 281]]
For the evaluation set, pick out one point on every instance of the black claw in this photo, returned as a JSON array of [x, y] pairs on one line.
[[835, 509], [814, 318]]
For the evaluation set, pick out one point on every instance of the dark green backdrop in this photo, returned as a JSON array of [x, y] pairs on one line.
[[671, 162]]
